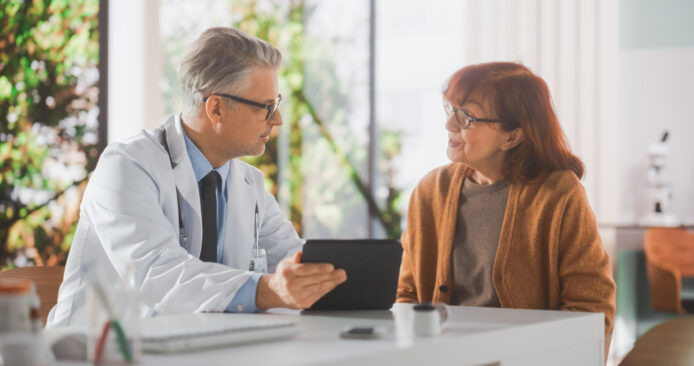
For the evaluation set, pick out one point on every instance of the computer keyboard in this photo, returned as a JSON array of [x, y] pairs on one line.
[[189, 332]]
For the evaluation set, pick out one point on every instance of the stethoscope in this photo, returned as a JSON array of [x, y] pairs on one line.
[[181, 230], [259, 260]]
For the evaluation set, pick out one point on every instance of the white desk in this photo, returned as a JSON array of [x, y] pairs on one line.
[[472, 336]]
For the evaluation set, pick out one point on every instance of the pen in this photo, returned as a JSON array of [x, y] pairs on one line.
[[100, 342], [122, 340]]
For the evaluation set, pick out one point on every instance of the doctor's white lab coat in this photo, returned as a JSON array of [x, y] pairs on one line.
[[129, 214]]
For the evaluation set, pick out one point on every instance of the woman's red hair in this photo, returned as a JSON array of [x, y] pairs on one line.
[[522, 100]]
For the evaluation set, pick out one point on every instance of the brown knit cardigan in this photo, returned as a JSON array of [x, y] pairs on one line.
[[550, 255]]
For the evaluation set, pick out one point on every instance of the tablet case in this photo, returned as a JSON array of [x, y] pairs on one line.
[[372, 266]]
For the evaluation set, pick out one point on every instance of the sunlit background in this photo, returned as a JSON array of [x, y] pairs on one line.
[[363, 115]]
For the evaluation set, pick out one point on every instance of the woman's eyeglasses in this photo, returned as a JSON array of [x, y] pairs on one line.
[[463, 119]]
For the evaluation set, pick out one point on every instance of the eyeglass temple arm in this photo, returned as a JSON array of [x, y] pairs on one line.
[[485, 120]]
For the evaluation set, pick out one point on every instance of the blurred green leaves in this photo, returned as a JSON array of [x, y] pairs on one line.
[[48, 58]]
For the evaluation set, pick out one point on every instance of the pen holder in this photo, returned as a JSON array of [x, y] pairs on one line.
[[113, 333]]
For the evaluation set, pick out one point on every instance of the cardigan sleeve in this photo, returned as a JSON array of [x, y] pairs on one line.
[[407, 290], [584, 266]]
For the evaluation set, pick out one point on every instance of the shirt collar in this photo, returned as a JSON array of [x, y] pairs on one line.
[[202, 166]]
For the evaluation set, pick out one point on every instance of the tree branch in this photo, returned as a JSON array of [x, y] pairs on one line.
[[353, 174], [8, 224]]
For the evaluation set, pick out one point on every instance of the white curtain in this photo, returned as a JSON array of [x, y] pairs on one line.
[[574, 46]]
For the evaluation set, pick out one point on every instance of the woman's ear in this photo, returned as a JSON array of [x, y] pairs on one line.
[[514, 138]]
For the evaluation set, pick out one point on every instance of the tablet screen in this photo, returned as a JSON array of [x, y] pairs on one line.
[[372, 266]]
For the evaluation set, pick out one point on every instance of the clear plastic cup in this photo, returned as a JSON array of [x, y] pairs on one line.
[[113, 332]]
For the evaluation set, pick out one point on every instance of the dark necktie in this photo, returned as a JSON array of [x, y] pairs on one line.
[[208, 203]]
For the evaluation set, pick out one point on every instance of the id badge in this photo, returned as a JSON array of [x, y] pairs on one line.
[[259, 262]]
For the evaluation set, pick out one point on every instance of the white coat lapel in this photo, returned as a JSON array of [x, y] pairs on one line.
[[186, 186], [240, 218]]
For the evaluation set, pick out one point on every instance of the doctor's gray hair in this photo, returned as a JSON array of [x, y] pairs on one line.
[[221, 60]]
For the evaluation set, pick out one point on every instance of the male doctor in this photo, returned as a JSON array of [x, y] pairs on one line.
[[177, 206]]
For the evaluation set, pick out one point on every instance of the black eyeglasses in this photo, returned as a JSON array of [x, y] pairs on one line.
[[271, 108], [463, 119]]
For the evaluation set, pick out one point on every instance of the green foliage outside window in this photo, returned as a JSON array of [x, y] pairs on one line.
[[49, 52], [284, 27]]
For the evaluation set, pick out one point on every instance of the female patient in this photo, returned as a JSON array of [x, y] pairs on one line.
[[507, 224]]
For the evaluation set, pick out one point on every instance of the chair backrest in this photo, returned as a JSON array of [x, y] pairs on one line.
[[47, 280], [669, 256], [668, 343]]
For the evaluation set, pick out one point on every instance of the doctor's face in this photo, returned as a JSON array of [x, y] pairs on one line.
[[244, 129]]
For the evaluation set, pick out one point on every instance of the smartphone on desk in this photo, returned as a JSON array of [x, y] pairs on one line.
[[361, 333]]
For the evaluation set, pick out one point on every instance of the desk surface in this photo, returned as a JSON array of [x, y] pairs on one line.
[[471, 336]]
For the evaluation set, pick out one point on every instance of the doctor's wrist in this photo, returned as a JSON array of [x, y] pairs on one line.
[[266, 297]]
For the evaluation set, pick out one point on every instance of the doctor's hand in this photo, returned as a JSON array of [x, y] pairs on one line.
[[297, 285]]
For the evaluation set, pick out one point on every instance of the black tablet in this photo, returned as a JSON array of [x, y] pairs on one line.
[[372, 266]]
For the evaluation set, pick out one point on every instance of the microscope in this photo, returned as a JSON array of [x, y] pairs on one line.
[[659, 187]]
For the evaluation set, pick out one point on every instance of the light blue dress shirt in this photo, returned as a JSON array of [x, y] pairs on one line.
[[244, 300]]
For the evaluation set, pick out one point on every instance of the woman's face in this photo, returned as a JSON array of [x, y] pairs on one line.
[[482, 146]]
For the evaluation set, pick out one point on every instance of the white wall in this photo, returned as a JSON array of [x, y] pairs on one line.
[[656, 93], [134, 67]]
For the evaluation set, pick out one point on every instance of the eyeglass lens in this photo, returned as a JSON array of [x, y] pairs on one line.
[[273, 108], [462, 118]]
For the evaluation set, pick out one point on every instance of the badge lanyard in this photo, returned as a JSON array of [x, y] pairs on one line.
[[259, 256]]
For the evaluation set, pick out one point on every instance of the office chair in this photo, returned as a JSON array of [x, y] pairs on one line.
[[668, 343], [47, 280], [670, 267]]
